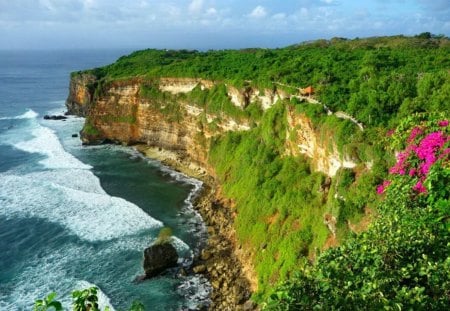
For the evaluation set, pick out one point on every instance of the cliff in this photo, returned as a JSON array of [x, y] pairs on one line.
[[181, 120], [123, 114]]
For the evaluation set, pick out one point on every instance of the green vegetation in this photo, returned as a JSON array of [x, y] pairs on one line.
[[281, 202], [402, 261], [90, 129], [82, 300], [213, 101], [164, 235], [120, 119], [375, 79], [287, 213]]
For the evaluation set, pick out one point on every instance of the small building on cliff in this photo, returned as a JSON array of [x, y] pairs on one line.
[[307, 91]]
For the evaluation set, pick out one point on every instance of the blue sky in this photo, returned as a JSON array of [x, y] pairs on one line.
[[209, 24]]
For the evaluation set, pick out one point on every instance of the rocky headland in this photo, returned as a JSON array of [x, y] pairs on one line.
[[157, 117]]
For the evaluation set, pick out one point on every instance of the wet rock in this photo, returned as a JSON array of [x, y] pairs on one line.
[[199, 269], [74, 135], [54, 117], [158, 258], [182, 272], [248, 306], [205, 255]]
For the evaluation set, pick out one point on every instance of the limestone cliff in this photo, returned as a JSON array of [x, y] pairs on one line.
[[81, 93], [120, 113], [161, 115], [323, 152]]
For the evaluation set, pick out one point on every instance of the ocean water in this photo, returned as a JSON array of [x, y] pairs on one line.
[[73, 216]]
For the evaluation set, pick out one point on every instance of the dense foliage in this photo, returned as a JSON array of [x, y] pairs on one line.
[[285, 211], [403, 260], [280, 201], [374, 79]]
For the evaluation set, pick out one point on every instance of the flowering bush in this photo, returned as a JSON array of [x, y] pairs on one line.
[[427, 143], [402, 262]]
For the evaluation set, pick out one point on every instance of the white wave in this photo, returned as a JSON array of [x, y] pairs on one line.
[[47, 143], [103, 300], [92, 216], [183, 250], [196, 289], [43, 275], [29, 114]]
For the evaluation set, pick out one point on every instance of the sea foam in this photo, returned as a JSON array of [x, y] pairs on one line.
[[29, 114], [67, 192], [47, 143]]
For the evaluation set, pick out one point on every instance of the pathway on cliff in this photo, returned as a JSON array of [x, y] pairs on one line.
[[311, 100]]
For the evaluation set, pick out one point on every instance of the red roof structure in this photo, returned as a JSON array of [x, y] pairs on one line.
[[309, 90]]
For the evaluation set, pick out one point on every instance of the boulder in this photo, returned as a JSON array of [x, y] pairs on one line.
[[182, 272], [158, 258], [249, 305], [54, 117], [205, 255], [199, 269], [74, 135]]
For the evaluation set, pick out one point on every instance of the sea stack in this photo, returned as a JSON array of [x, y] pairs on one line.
[[158, 258]]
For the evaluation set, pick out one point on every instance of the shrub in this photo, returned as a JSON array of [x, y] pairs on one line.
[[402, 261]]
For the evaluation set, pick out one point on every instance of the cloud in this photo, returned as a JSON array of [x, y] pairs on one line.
[[211, 21], [279, 16], [258, 12], [196, 6]]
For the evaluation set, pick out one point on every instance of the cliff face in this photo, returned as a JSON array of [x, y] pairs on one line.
[[162, 117], [122, 114], [305, 140], [81, 94]]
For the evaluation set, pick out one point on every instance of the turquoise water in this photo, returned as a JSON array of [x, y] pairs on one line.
[[74, 216]]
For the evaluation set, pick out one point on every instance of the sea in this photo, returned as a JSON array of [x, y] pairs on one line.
[[74, 216]]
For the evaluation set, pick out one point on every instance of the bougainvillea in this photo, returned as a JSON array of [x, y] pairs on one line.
[[402, 261], [426, 144]]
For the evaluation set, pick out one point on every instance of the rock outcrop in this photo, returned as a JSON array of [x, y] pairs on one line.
[[120, 112], [158, 258], [81, 93], [323, 152]]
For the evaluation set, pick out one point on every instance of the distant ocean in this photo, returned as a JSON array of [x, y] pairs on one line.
[[73, 216]]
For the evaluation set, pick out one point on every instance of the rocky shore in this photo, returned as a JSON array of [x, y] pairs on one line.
[[231, 289]]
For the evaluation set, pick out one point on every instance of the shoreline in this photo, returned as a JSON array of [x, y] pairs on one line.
[[217, 261]]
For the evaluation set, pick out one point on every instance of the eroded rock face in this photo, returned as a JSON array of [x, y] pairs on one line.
[[307, 141], [81, 93], [121, 115], [158, 258]]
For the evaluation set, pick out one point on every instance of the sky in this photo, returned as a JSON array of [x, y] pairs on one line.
[[209, 24]]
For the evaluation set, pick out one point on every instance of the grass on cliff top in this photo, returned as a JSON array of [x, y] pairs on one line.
[[376, 80]]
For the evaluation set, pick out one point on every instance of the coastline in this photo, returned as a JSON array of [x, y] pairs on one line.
[[218, 260]]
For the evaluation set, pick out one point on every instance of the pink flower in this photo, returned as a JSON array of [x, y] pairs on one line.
[[412, 172], [399, 167], [381, 188], [443, 123], [444, 153], [414, 132], [428, 148], [419, 187], [390, 133]]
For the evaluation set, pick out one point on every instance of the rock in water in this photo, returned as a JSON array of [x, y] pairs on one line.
[[54, 117], [158, 258]]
